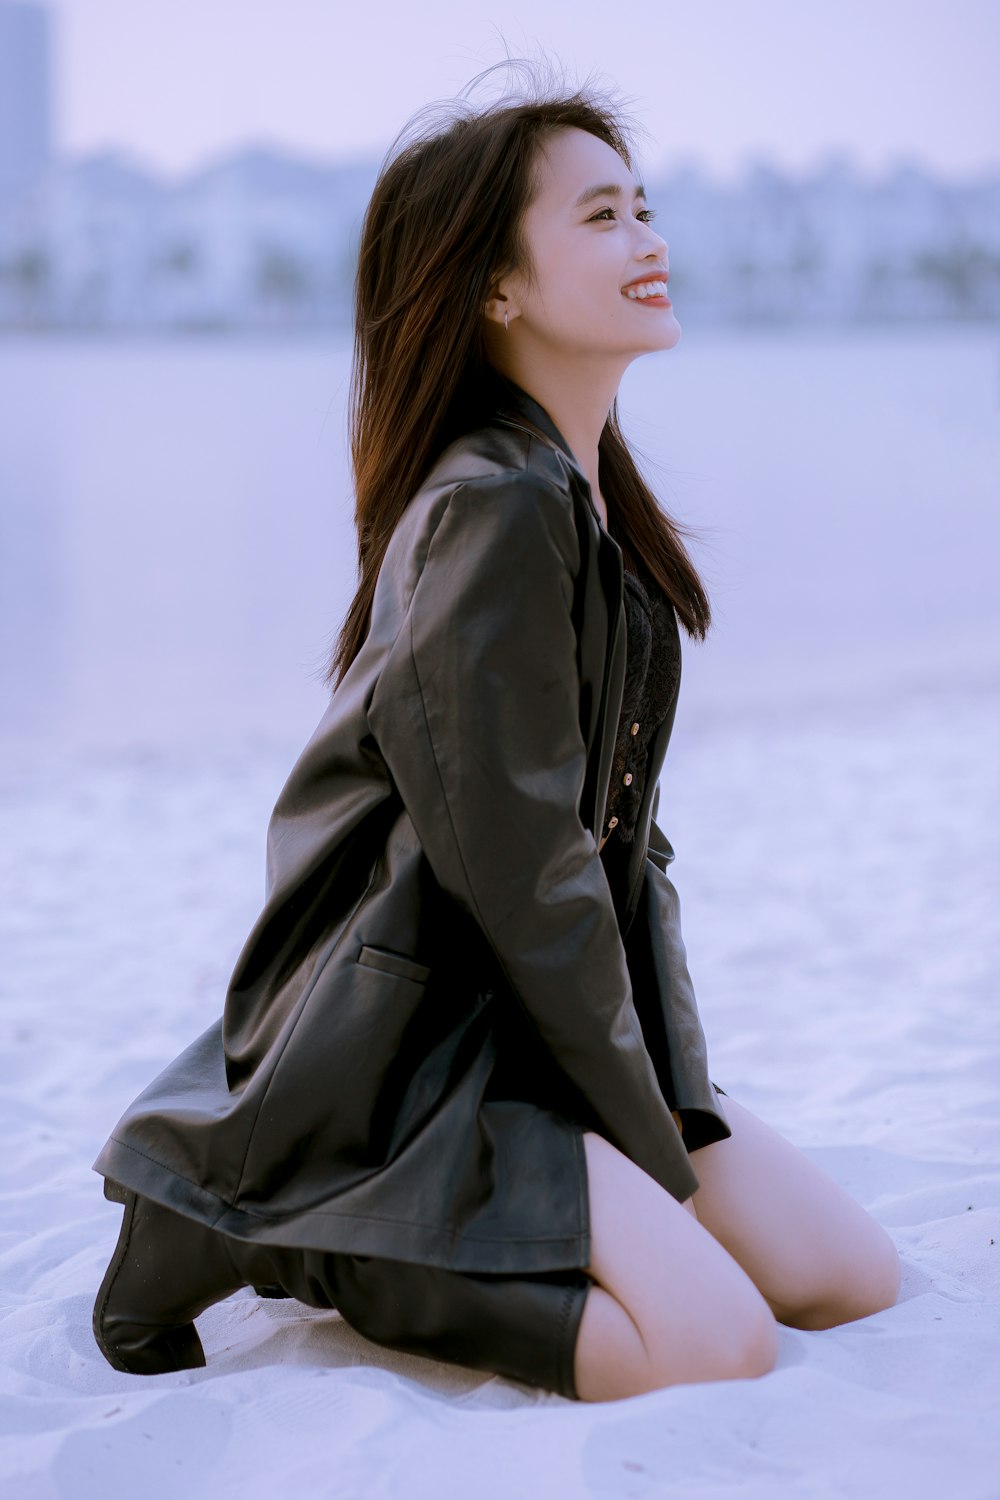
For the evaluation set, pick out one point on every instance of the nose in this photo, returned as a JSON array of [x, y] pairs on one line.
[[659, 245]]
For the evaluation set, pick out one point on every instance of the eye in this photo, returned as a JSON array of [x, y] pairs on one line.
[[646, 214]]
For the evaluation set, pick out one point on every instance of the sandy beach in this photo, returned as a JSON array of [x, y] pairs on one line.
[[838, 869]]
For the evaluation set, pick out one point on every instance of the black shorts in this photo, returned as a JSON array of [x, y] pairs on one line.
[[522, 1327]]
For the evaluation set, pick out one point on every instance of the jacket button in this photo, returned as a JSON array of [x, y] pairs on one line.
[[634, 729], [628, 778]]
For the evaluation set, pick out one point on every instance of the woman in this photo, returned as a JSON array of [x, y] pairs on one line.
[[459, 1090]]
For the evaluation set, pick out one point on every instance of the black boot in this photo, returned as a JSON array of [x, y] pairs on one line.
[[165, 1271]]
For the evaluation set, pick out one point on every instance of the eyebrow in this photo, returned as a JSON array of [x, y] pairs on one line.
[[606, 190]]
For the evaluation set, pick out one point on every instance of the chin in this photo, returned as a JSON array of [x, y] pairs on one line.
[[667, 339], [670, 334], [664, 335]]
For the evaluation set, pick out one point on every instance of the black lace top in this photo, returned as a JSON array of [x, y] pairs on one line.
[[651, 672]]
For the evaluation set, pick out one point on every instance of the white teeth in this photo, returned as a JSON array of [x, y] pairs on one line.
[[647, 289]]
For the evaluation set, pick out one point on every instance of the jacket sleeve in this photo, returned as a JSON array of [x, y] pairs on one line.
[[477, 715]]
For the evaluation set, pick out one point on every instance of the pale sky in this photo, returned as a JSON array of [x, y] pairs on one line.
[[178, 82]]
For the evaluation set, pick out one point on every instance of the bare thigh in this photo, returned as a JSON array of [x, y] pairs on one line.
[[815, 1254], [669, 1305]]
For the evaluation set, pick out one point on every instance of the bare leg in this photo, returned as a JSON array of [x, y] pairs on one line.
[[670, 1304], [816, 1255]]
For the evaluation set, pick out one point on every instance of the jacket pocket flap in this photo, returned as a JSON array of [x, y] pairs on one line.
[[394, 963]]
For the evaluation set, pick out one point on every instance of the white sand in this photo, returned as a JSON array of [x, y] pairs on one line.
[[839, 873]]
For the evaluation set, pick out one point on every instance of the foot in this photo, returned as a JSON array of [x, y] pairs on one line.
[[165, 1270]]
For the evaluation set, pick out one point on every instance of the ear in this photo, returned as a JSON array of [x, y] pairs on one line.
[[499, 304]]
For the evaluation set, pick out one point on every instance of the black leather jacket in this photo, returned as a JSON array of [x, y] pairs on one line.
[[437, 911]]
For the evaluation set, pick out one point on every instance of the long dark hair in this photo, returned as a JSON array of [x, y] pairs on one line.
[[442, 226]]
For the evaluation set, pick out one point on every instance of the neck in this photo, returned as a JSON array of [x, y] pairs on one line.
[[577, 396]]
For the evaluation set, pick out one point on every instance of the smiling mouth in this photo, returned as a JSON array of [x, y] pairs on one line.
[[648, 291]]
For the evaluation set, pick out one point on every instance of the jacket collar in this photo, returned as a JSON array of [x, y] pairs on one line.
[[511, 400]]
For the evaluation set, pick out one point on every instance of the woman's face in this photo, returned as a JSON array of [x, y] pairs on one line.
[[585, 253]]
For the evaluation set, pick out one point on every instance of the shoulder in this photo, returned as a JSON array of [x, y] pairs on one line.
[[501, 450], [498, 505], [506, 486]]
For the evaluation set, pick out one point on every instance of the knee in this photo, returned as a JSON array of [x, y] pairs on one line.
[[742, 1348], [887, 1274], [878, 1286], [863, 1289], [754, 1351]]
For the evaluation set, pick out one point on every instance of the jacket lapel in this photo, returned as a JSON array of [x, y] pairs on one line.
[[601, 631], [603, 640]]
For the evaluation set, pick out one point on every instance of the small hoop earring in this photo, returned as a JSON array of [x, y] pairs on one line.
[[505, 323]]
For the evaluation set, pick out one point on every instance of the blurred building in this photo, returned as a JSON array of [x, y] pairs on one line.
[[25, 96], [264, 238]]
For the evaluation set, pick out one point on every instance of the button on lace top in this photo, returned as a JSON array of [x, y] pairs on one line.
[[651, 672]]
